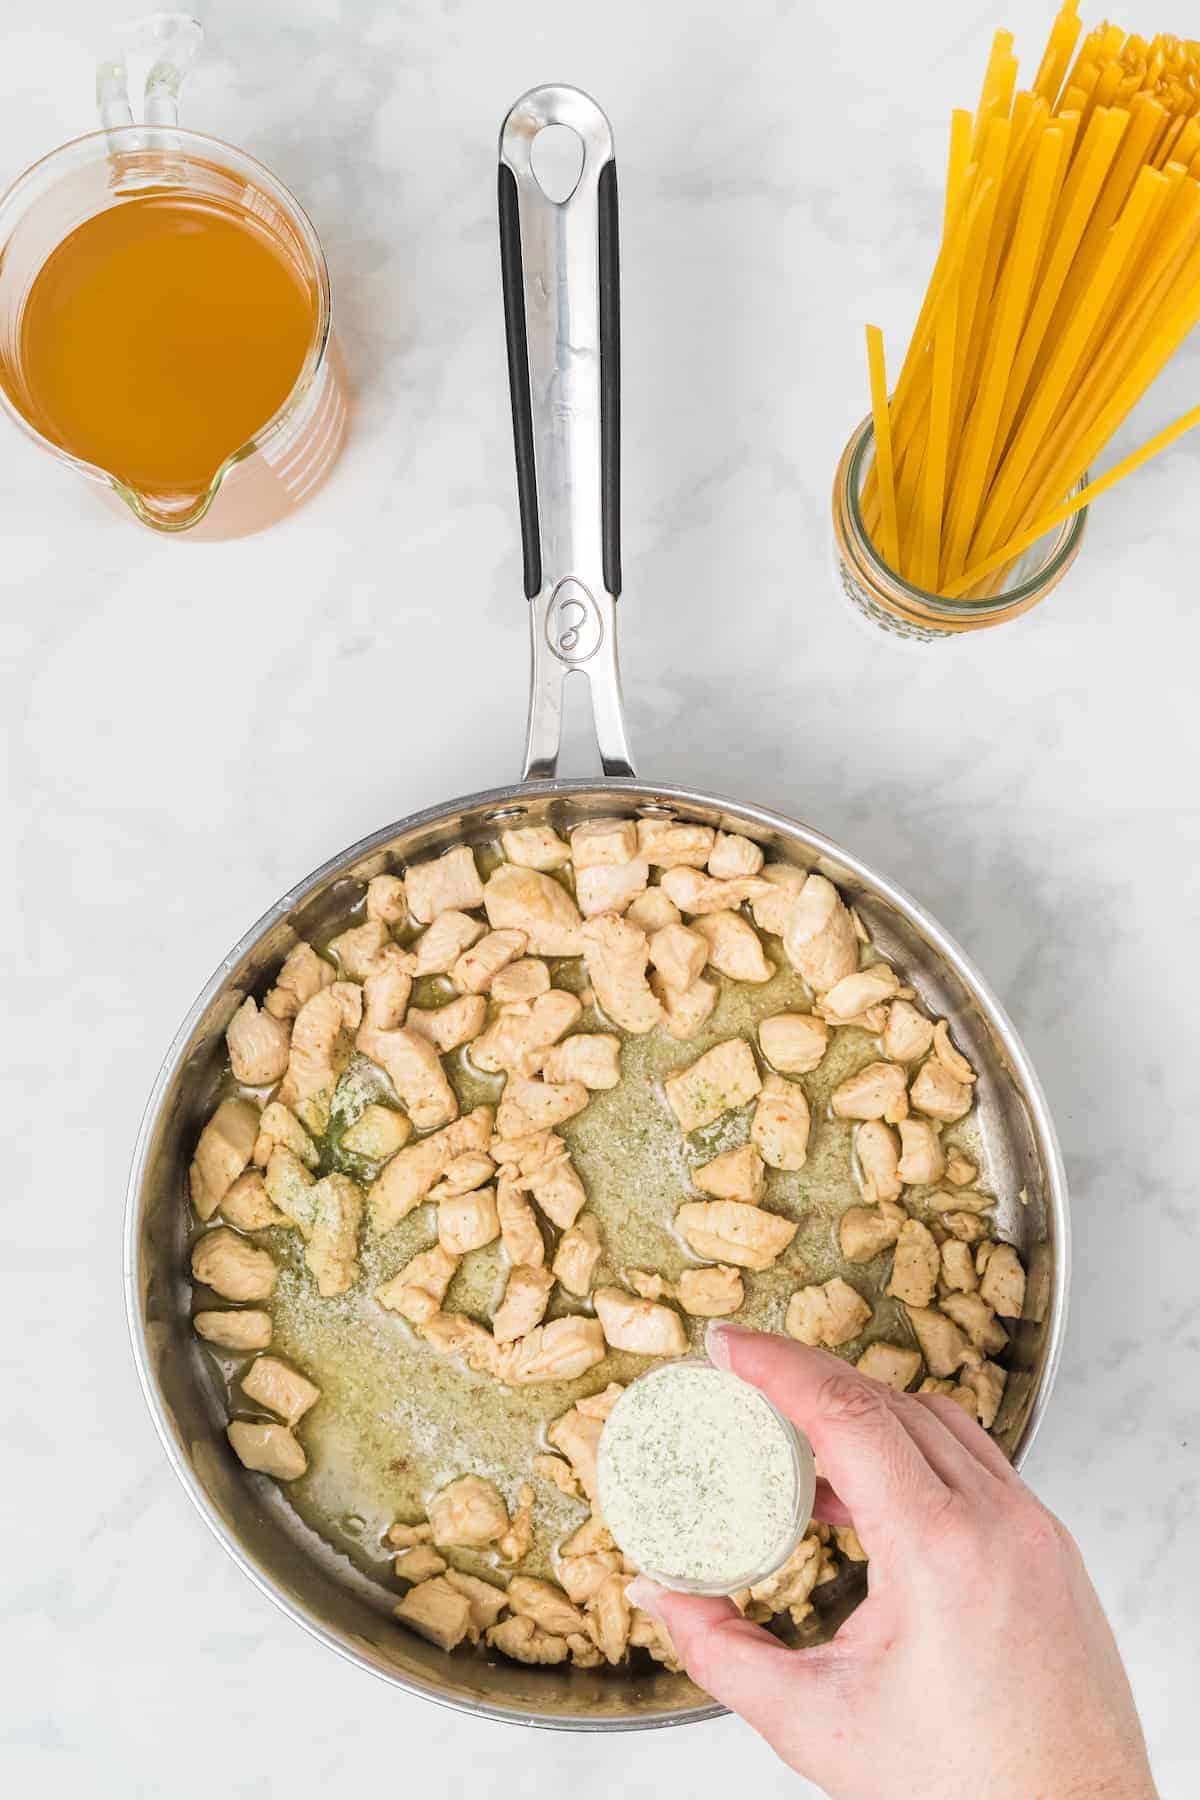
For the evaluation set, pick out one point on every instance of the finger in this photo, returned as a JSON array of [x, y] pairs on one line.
[[873, 1462], [971, 1436], [828, 1507], [942, 1449]]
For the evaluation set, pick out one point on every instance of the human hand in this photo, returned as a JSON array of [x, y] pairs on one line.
[[980, 1663]]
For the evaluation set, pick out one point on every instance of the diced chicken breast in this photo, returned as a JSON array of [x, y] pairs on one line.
[[684, 1014], [533, 1105], [454, 1334], [960, 1170], [248, 1206], [535, 847], [519, 1638], [439, 947], [523, 980], [830, 1314], [819, 936], [701, 895], [922, 1159], [733, 856], [915, 1269], [406, 1181], [609, 1618], [608, 888], [514, 1545], [377, 1133], [331, 1252], [876, 1092], [526, 1298], [944, 1200], [246, 1329], [414, 1069], [853, 999], [486, 1600], [290, 1187], [986, 1381], [386, 899], [792, 1042], [419, 1563], [970, 1227], [402, 1536], [369, 949], [303, 974], [643, 1326], [651, 911], [436, 1611], [848, 1540], [577, 1255], [958, 1268], [417, 1292], [592, 1537], [449, 1027], [1003, 1282], [936, 1093], [952, 1060], [577, 1435], [468, 1514], [780, 1125], [224, 1149], [863, 1231], [521, 899], [519, 1228], [279, 1388], [520, 1032], [385, 999], [734, 947], [953, 1390], [267, 1449], [557, 1469], [734, 1175], [560, 1351], [907, 1034], [679, 954], [463, 1174], [592, 1057], [258, 1045], [894, 1364], [724, 1078], [322, 1042], [583, 1576], [616, 954], [604, 843], [647, 1284], [468, 1222], [771, 907], [878, 1151], [710, 1293], [671, 844], [279, 1125], [557, 1189], [232, 1267], [448, 883], [544, 1603], [943, 1345], [725, 1231], [478, 967], [972, 1312]]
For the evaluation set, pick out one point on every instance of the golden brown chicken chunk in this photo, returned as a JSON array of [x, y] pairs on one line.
[[248, 1206], [698, 894], [244, 1329], [734, 1175], [671, 844], [535, 847], [280, 1389], [377, 1133], [516, 1038], [972, 1312], [322, 1045], [878, 1151], [958, 1267], [331, 1252], [448, 883], [517, 899], [770, 907], [232, 1267], [651, 911], [386, 899], [519, 1228], [577, 1255], [915, 1269], [829, 1314], [266, 1448], [616, 954], [725, 1231], [711, 1293], [592, 1057], [526, 1642], [721, 1080], [863, 1231], [610, 888], [780, 1126], [420, 1563], [642, 1326], [523, 980], [468, 1513], [908, 1034], [1002, 1283], [679, 954], [436, 1611], [412, 1173], [857, 999], [303, 974], [685, 1013], [369, 949], [440, 946], [477, 967], [417, 1292], [938, 1095], [258, 1045], [526, 1298], [560, 1351], [534, 1105], [876, 1092], [544, 1603], [893, 1364], [819, 937], [922, 1159], [450, 1026], [467, 1222], [279, 1125], [222, 1153], [792, 1042], [733, 855], [415, 1071], [943, 1345], [734, 947]]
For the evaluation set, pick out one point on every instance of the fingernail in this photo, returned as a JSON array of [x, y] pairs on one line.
[[717, 1341], [645, 1594]]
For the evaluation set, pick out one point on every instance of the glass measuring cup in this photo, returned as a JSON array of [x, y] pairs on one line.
[[288, 454]]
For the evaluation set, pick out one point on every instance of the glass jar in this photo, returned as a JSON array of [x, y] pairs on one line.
[[895, 605]]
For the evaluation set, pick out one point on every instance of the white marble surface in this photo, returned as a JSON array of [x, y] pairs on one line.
[[193, 727]]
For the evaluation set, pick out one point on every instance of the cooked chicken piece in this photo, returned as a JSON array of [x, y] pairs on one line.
[[560, 1351], [876, 1092], [448, 883], [449, 1027], [377, 1133], [952, 1060], [526, 1642], [915, 1269], [526, 1298], [243, 1330], [793, 1042], [417, 1292], [721, 1080], [942, 1201], [248, 1206], [518, 1224], [280, 1389], [583, 1576], [599, 1406], [819, 935], [514, 1545], [670, 844], [557, 1469], [648, 1285], [651, 911], [578, 1437], [734, 947], [958, 1267], [414, 1070], [468, 1513], [734, 1175], [878, 1151], [679, 954], [468, 1222], [322, 1042], [684, 1014], [486, 1600], [555, 1186], [986, 1381], [303, 974], [535, 847], [936, 1093], [369, 949], [518, 899], [725, 1231], [972, 1312], [279, 1125], [943, 1345], [602, 843], [222, 1153], [463, 1174], [610, 889], [477, 968], [436, 1611], [267, 1449], [1003, 1282], [830, 1314], [331, 1253], [544, 1603], [515, 1038], [233, 1268], [440, 946], [962, 1396], [641, 1326], [969, 1227], [454, 1334], [531, 1105], [406, 1181], [386, 899], [907, 1034], [733, 856], [960, 1170], [577, 1255], [290, 1187], [385, 999], [591, 1057], [523, 980], [790, 1586], [421, 1563], [863, 1231], [258, 1045], [403, 1537], [893, 1364], [592, 1537], [848, 1540], [701, 895], [609, 1617], [857, 999], [616, 953], [780, 1125], [771, 907], [710, 1293], [922, 1159]]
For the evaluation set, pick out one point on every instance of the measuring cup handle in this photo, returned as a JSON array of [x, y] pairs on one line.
[[560, 267], [171, 40]]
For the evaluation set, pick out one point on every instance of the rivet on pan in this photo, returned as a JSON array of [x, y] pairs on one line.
[[656, 809], [503, 813]]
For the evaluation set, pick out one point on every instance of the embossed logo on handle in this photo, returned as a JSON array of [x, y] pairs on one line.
[[574, 629]]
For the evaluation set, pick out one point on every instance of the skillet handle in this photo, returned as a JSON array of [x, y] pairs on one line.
[[560, 269]]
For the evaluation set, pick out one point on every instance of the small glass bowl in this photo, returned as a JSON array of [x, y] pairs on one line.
[[805, 1483], [895, 605]]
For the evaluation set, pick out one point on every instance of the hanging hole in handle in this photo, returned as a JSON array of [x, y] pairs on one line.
[[556, 158]]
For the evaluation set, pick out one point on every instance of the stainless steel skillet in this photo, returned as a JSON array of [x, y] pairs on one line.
[[560, 281]]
